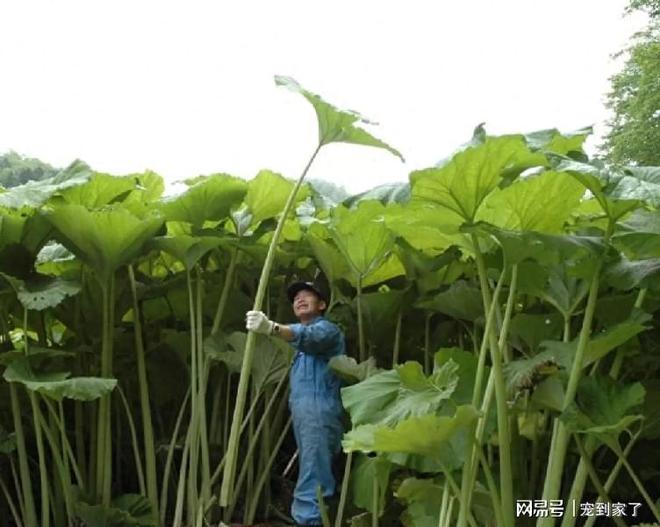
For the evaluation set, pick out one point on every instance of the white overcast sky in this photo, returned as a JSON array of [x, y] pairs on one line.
[[186, 88]]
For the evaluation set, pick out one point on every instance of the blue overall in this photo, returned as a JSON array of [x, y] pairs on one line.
[[317, 414]]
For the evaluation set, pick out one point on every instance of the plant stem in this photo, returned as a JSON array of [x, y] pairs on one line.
[[229, 280], [636, 480], [504, 436], [397, 339], [134, 441], [427, 343], [560, 439], [594, 477], [24, 470], [358, 300], [10, 503], [344, 490], [248, 357], [145, 406], [263, 477], [614, 474], [170, 455]]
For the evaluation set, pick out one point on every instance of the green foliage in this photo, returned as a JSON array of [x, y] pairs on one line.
[[16, 170], [634, 99]]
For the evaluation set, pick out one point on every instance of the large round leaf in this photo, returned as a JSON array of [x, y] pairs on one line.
[[103, 239]]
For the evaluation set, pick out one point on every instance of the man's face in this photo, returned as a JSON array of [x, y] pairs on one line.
[[307, 305]]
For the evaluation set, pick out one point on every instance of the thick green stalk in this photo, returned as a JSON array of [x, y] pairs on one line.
[[323, 508], [361, 342], [57, 457], [427, 344], [560, 439], [594, 478], [145, 406], [504, 437], [254, 437], [344, 490], [10, 502], [24, 470], [43, 470], [265, 474], [577, 488], [614, 474], [103, 431], [640, 487], [444, 505], [134, 442], [470, 467], [374, 502], [36, 415], [492, 488], [192, 437], [397, 339], [203, 371], [229, 280], [170, 455], [248, 357]]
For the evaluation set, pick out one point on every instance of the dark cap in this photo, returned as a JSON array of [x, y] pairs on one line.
[[296, 287]]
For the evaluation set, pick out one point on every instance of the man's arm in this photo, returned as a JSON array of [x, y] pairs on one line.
[[317, 339]]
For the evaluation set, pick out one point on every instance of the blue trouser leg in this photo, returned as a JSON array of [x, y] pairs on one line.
[[317, 427]]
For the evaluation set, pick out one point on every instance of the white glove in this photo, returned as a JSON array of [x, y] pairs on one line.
[[258, 322]]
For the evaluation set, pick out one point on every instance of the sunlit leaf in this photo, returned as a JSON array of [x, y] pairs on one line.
[[462, 184], [210, 199], [336, 126], [104, 239]]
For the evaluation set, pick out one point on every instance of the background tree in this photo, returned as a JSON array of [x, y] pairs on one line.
[[16, 170], [634, 129]]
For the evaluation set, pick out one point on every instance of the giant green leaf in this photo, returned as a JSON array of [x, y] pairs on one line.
[[424, 500], [187, 249], [58, 385], [426, 435], [127, 510], [616, 192], [268, 192], [599, 345], [348, 369], [391, 396], [365, 401], [638, 236], [100, 190], [532, 329], [424, 227], [210, 199], [364, 472], [603, 408], [626, 274], [388, 193], [547, 249], [362, 237], [272, 361], [103, 239], [329, 257], [551, 140], [336, 126], [464, 182], [461, 300], [466, 363], [539, 203], [36, 193]]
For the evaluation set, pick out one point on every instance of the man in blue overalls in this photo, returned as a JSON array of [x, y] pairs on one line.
[[314, 400]]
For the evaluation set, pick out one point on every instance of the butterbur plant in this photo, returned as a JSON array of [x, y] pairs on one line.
[[335, 126], [512, 290]]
